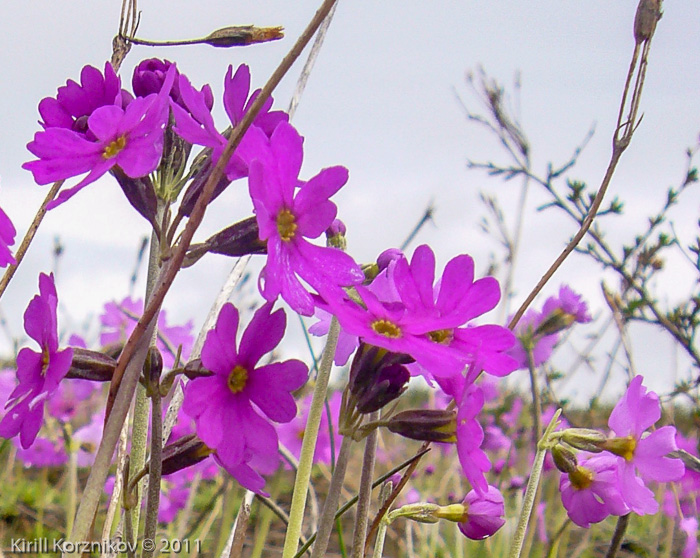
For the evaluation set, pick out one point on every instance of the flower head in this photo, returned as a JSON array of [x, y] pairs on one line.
[[591, 492], [224, 405], [638, 452], [484, 514], [38, 373], [130, 138], [287, 216]]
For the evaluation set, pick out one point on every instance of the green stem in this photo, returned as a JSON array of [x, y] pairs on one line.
[[325, 524], [618, 535], [365, 493], [139, 431], [308, 446], [531, 490]]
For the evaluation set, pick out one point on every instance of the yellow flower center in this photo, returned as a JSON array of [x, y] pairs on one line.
[[442, 336], [237, 379], [45, 357], [286, 225], [113, 149], [624, 447], [386, 328], [581, 478]]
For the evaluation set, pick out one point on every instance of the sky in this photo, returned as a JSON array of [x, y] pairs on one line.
[[382, 100]]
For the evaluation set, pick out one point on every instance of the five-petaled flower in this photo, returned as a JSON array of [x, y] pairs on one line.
[[38, 373], [130, 138], [288, 215], [641, 452], [224, 405]]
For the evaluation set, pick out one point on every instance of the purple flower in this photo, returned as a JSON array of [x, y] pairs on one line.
[[646, 455], [75, 103], [291, 434], [7, 239], [689, 526], [120, 319], [287, 217], [455, 299], [222, 404], [484, 514], [130, 138], [591, 493], [539, 331], [195, 123], [475, 463], [38, 373], [150, 75], [43, 453]]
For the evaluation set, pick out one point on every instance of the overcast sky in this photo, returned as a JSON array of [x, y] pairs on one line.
[[381, 101]]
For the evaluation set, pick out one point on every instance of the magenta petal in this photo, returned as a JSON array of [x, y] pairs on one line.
[[287, 151], [236, 91], [263, 334], [270, 387]]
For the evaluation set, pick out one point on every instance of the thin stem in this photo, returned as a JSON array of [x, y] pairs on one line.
[[310, 61], [29, 236], [532, 485], [330, 506], [240, 526], [154, 470], [308, 446], [365, 492], [618, 535], [536, 399]]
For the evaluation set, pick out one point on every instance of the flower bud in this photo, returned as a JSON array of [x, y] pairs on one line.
[[564, 459], [242, 35], [184, 452], [195, 369], [335, 235], [153, 367], [584, 439], [377, 377], [421, 512], [239, 239], [428, 425], [91, 365]]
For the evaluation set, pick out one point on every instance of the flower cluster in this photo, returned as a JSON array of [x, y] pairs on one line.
[[615, 482]]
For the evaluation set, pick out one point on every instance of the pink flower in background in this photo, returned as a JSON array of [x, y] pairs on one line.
[[642, 456], [7, 239], [291, 434], [287, 216], [43, 453], [540, 330], [689, 526], [131, 138], [484, 514], [592, 493], [224, 405], [119, 320], [38, 373]]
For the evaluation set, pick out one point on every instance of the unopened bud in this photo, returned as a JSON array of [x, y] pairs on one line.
[[564, 459], [91, 365], [584, 439], [242, 35], [335, 235], [427, 425], [645, 20], [184, 452]]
